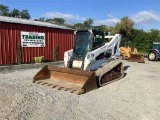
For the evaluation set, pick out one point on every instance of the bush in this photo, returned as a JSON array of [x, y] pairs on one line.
[[19, 53], [39, 59], [55, 52]]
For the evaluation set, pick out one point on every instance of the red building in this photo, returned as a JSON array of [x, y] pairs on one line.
[[12, 32]]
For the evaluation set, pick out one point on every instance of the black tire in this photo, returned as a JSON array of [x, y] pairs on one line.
[[153, 56]]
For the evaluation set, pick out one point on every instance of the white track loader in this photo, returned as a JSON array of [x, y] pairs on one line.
[[91, 63]]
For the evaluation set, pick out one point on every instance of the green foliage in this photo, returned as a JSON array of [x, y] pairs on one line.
[[19, 53], [39, 59], [78, 26], [35, 60], [40, 19], [15, 13], [88, 23], [125, 28], [55, 52], [25, 15], [59, 21], [5, 11], [143, 40], [101, 27], [68, 25]]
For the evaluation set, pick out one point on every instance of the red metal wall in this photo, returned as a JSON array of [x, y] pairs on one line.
[[10, 36]]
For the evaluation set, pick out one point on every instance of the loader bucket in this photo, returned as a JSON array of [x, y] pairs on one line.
[[136, 58], [68, 79]]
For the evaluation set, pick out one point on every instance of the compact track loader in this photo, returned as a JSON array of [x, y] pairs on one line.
[[90, 64]]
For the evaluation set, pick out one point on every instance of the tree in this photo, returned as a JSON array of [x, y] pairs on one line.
[[111, 30], [153, 36], [68, 25], [125, 28], [40, 19], [49, 20], [117, 28], [24, 14], [88, 23], [59, 21], [139, 40], [15, 13], [78, 26], [4, 10], [101, 27]]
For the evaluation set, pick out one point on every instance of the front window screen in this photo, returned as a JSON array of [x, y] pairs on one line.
[[81, 45], [156, 46]]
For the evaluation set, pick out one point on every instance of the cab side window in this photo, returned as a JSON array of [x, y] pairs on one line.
[[98, 40]]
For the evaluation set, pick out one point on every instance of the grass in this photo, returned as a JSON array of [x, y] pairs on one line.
[[143, 53]]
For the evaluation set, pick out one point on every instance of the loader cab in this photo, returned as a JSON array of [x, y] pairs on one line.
[[97, 39], [86, 41], [156, 46]]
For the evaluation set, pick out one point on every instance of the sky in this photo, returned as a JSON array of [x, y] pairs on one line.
[[145, 13]]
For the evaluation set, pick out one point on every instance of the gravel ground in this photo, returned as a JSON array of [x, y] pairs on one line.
[[135, 97]]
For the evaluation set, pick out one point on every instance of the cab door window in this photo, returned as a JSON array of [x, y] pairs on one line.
[[98, 41]]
